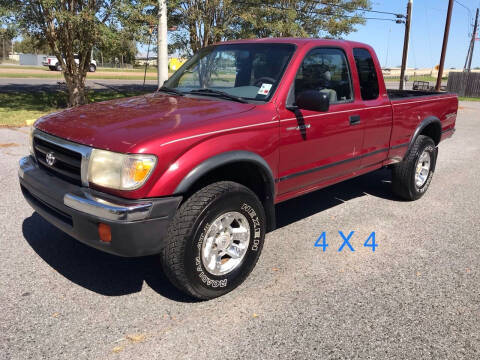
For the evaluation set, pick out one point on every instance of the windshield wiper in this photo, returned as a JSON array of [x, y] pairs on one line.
[[171, 91], [218, 93]]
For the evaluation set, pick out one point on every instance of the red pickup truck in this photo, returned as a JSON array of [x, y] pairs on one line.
[[193, 171]]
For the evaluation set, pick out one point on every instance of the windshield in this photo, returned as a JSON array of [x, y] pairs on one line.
[[247, 71]]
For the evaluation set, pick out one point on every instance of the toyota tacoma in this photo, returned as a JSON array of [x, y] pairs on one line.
[[193, 171]]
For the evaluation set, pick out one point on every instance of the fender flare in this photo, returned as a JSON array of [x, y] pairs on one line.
[[227, 158], [425, 122]]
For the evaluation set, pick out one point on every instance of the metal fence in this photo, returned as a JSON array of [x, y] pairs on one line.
[[464, 84], [392, 82]]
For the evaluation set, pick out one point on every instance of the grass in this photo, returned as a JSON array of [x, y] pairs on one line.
[[136, 69], [26, 67], [413, 78], [91, 76], [139, 69], [463, 98], [17, 107]]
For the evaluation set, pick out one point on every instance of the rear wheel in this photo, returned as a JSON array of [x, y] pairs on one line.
[[92, 68], [58, 67], [214, 240], [411, 177], [52, 68]]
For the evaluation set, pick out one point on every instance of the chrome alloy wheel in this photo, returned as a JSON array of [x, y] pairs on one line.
[[225, 243], [423, 169]]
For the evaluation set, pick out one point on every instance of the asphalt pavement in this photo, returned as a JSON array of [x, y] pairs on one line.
[[416, 297], [49, 84]]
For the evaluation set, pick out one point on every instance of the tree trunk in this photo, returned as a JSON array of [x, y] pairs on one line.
[[76, 89]]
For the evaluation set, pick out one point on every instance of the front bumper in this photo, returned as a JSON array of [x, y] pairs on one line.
[[137, 226]]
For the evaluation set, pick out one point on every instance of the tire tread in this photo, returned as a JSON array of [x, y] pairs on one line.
[[403, 171], [181, 228]]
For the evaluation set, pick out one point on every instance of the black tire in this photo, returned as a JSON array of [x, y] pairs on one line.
[[52, 68], [181, 256], [403, 176], [58, 67], [92, 68]]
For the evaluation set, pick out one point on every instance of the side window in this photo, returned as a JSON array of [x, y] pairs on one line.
[[325, 70], [367, 74]]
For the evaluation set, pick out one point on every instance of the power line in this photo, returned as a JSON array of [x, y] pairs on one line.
[[468, 9], [399, 16], [470, 15], [319, 12]]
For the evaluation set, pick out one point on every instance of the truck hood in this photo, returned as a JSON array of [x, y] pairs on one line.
[[120, 124]]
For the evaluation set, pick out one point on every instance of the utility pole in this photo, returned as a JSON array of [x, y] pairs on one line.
[[444, 46], [162, 43], [405, 43], [468, 62]]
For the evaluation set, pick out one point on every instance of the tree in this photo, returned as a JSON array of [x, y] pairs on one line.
[[6, 36], [116, 44], [71, 27], [31, 45], [203, 22], [8, 31]]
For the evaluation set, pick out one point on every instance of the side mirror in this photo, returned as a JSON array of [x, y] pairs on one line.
[[313, 100]]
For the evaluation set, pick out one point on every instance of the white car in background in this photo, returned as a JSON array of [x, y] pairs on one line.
[[54, 65]]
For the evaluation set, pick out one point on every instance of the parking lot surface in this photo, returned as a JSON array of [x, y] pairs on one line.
[[416, 297], [34, 85]]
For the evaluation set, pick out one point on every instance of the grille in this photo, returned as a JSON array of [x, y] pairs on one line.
[[67, 164]]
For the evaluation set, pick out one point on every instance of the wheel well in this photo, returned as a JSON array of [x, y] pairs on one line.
[[246, 173], [432, 130]]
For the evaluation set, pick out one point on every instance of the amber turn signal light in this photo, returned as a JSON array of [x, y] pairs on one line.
[[104, 232]]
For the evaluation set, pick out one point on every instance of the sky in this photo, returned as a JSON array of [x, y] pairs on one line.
[[426, 34]]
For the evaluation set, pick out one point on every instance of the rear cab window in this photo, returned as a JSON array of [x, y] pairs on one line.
[[367, 74]]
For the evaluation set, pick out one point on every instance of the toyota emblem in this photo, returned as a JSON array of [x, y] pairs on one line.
[[50, 158]]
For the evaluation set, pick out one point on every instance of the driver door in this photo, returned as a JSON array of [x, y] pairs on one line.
[[317, 148]]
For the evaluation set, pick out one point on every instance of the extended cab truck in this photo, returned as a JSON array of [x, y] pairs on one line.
[[193, 171]]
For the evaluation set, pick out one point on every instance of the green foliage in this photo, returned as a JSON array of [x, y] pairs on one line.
[[115, 46], [77, 26], [201, 23], [31, 45]]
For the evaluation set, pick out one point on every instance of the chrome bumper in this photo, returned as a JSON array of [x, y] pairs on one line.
[[138, 227], [105, 209], [87, 202]]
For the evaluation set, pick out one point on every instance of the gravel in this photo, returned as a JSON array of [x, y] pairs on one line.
[[415, 297]]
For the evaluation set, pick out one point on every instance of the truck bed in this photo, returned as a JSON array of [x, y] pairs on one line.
[[394, 94]]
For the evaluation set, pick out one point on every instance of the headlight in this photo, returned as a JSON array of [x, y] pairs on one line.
[[119, 171]]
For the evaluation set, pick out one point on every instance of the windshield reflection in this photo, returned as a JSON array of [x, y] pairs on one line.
[[246, 71]]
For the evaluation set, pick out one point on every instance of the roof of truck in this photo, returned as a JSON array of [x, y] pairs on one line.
[[296, 41]]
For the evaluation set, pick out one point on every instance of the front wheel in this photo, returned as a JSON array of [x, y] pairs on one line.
[[92, 68], [411, 177], [214, 240]]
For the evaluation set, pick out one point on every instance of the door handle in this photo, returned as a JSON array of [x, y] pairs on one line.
[[354, 119], [299, 127]]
